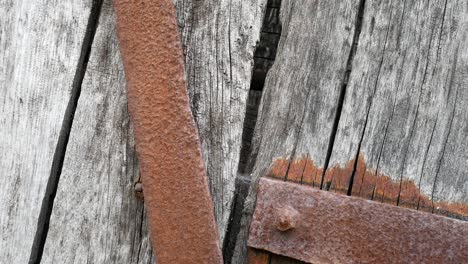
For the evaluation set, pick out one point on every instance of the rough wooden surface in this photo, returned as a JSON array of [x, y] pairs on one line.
[[40, 44], [404, 122], [96, 216], [401, 134], [387, 117], [219, 41], [107, 75], [302, 89]]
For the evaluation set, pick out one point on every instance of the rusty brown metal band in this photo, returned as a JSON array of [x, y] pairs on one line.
[[323, 227], [175, 185]]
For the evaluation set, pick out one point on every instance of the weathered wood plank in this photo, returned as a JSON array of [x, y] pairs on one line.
[[96, 216], [40, 43], [107, 66], [219, 41], [301, 92], [401, 126], [404, 120]]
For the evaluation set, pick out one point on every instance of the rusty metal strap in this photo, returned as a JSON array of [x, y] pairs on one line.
[[177, 198], [323, 227]]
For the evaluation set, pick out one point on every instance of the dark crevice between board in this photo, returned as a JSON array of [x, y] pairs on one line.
[[264, 57], [452, 116], [424, 160], [229, 243], [344, 86], [61, 147], [356, 159], [140, 234]]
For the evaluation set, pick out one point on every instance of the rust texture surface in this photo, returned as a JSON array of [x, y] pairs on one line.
[[333, 228], [180, 210], [368, 184]]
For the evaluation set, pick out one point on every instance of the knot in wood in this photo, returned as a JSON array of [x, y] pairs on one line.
[[286, 218]]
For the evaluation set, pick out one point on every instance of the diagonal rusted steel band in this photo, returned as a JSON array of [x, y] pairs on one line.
[[316, 226], [180, 210]]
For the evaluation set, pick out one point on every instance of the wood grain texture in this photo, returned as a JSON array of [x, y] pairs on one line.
[[404, 119], [402, 134], [96, 216], [219, 41], [302, 90], [40, 43]]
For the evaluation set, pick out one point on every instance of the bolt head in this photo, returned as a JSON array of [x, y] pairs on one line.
[[138, 187], [286, 218]]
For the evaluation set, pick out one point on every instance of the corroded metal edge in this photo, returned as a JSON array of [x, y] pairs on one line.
[[177, 198], [333, 228]]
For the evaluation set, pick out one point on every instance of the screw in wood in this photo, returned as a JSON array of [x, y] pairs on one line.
[[138, 188]]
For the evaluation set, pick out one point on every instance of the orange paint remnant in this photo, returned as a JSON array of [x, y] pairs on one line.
[[312, 174], [296, 169], [337, 179], [364, 180], [255, 256], [410, 197], [300, 170], [278, 169], [386, 189], [451, 208], [368, 184]]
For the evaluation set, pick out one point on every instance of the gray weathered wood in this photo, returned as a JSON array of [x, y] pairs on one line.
[[404, 117], [402, 131], [402, 135], [106, 170], [40, 43], [96, 216], [219, 39], [302, 89]]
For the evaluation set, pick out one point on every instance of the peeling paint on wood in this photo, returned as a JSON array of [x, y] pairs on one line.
[[407, 86], [369, 184], [403, 106], [302, 91]]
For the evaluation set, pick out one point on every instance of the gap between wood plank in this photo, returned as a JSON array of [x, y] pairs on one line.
[[344, 85], [259, 73], [61, 147]]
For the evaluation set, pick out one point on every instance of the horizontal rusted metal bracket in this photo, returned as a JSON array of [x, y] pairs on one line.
[[175, 184], [316, 226]]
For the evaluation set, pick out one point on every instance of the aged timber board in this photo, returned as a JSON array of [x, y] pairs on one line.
[[219, 39], [40, 46], [396, 132], [301, 93], [404, 124], [100, 161], [97, 218]]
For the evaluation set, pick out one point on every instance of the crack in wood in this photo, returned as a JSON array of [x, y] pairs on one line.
[[351, 181], [344, 85], [61, 147], [262, 64]]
